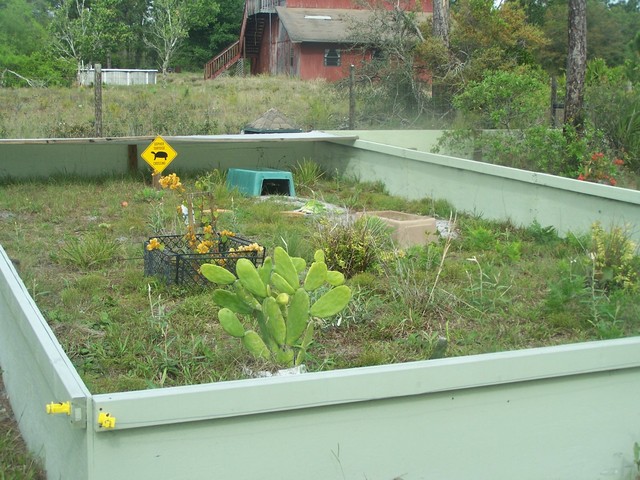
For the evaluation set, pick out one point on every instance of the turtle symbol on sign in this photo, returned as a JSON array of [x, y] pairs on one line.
[[157, 155]]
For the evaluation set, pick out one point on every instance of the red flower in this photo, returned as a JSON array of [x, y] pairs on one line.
[[612, 181], [580, 177], [618, 161]]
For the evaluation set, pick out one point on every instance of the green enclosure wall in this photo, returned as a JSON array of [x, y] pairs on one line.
[[492, 191], [36, 371], [567, 412], [562, 412]]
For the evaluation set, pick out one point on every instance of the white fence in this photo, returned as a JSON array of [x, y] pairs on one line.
[[116, 76]]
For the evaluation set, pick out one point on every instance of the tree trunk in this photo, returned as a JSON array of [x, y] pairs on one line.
[[441, 21], [576, 64]]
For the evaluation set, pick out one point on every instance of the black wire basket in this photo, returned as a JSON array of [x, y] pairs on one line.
[[177, 264]]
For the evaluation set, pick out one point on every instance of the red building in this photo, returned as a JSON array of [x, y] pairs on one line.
[[301, 38]]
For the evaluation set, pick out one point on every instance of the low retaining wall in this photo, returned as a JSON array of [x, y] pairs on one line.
[[492, 191], [36, 372], [554, 413]]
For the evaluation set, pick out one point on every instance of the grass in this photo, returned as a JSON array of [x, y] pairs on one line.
[[187, 105], [79, 251], [78, 248]]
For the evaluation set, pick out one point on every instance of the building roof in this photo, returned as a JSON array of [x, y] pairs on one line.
[[325, 25], [320, 24], [272, 121]]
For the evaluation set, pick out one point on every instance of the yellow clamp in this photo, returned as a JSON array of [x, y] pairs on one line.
[[105, 420], [58, 408]]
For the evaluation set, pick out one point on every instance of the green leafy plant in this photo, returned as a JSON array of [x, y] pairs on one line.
[[210, 181], [542, 235], [505, 100], [306, 175], [279, 301], [613, 254], [148, 194], [353, 246]]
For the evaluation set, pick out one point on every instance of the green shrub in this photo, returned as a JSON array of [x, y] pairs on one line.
[[505, 100], [613, 254], [306, 175], [352, 246]]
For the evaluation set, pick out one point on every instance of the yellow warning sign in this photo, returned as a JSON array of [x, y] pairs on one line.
[[159, 154]]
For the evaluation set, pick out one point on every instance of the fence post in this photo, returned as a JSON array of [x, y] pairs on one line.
[[352, 98], [97, 85]]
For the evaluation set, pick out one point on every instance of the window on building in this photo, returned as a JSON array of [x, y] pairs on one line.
[[332, 57]]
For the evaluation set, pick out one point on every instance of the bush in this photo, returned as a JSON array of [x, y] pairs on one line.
[[352, 246], [505, 100], [613, 256], [37, 69]]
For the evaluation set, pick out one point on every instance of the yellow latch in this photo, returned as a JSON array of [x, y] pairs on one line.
[[106, 421], [58, 408]]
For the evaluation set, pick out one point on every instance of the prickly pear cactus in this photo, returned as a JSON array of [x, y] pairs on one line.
[[277, 295]]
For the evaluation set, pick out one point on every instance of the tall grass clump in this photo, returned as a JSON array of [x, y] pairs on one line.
[[88, 251], [352, 246]]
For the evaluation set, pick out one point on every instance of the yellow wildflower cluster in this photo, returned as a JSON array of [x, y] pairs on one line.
[[254, 247], [154, 244], [208, 230], [204, 246], [190, 237], [227, 233], [172, 182]]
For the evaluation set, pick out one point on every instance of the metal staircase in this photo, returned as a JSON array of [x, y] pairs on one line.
[[254, 20]]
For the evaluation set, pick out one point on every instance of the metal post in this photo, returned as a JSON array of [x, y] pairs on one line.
[[554, 102], [97, 85], [352, 98]]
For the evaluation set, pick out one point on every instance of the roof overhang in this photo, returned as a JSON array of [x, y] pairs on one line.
[[324, 25], [320, 25]]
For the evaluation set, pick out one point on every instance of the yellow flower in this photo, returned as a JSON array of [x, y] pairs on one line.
[[208, 229], [171, 181], [227, 233], [154, 244], [202, 248]]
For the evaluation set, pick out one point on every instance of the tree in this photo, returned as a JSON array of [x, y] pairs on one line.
[[506, 100], [483, 37], [166, 29], [610, 29], [441, 21], [25, 56], [20, 32], [576, 64], [107, 33], [70, 27], [218, 28], [392, 32]]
